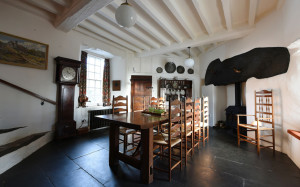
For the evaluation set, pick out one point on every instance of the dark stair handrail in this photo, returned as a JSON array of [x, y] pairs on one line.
[[28, 92]]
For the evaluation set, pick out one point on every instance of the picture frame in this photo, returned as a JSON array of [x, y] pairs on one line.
[[116, 85], [18, 51]]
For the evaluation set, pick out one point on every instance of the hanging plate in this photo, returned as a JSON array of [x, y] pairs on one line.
[[180, 69], [159, 70], [170, 67], [190, 71]]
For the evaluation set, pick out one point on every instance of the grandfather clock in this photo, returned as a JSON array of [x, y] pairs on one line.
[[66, 78]]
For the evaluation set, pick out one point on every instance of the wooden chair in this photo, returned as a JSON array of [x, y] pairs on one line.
[[138, 103], [154, 102], [204, 124], [171, 137], [161, 103], [263, 122], [197, 121], [188, 130], [120, 105]]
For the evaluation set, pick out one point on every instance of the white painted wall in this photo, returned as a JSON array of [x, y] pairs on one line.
[[217, 97], [278, 29], [19, 109]]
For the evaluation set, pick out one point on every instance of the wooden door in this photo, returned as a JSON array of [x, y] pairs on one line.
[[141, 86]]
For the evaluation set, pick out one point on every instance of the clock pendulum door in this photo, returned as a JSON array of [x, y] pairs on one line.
[[66, 79]]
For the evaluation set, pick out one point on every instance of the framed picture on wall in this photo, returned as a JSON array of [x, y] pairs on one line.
[[116, 85], [18, 51]]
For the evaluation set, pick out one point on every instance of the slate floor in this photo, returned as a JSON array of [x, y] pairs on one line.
[[83, 161]]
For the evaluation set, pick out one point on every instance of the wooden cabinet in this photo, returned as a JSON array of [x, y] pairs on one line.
[[141, 87], [175, 88]]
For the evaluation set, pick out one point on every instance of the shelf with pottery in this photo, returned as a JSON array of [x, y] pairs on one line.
[[173, 88]]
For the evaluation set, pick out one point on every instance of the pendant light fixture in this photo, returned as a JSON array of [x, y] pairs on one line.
[[189, 62], [125, 15]]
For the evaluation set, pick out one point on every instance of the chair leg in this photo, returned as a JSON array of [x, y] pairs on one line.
[[192, 144], [203, 139], [207, 133], [185, 150], [125, 144], [180, 155], [199, 137], [170, 162], [238, 135], [273, 136], [258, 141]]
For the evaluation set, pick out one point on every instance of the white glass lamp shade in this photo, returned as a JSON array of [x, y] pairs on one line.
[[189, 62], [125, 15]]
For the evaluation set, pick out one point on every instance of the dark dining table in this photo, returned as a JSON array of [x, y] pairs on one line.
[[143, 123]]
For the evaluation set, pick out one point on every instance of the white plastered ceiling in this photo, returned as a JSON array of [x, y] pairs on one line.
[[164, 27]]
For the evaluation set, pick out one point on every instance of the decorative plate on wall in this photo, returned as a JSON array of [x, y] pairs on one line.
[[180, 69], [159, 70], [170, 67], [190, 71]]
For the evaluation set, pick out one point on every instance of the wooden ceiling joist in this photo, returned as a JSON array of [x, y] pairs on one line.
[[227, 13], [156, 15], [117, 31], [134, 31], [217, 37], [202, 16], [180, 19], [78, 11], [91, 27], [252, 11]]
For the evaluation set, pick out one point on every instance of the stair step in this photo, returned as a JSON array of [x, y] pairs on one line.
[[2, 131], [10, 147]]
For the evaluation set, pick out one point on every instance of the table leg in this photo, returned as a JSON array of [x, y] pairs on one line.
[[113, 144], [147, 156]]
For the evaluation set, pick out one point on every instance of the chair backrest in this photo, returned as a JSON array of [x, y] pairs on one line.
[[188, 115], [161, 103], [154, 102], [197, 112], [138, 103], [205, 111], [264, 106], [175, 119], [120, 104]]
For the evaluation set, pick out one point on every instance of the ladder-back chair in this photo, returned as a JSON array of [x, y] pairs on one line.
[[188, 131], [204, 125], [120, 105], [197, 121], [171, 137], [263, 122]]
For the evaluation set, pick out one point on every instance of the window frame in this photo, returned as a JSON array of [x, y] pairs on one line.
[[92, 91]]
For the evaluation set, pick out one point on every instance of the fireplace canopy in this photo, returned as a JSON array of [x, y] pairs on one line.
[[258, 62]]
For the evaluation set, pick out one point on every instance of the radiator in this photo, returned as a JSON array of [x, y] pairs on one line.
[[96, 123]]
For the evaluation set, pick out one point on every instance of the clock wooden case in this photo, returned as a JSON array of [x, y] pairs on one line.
[[67, 76]]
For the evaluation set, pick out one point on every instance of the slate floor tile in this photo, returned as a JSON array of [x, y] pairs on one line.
[[77, 178], [83, 161]]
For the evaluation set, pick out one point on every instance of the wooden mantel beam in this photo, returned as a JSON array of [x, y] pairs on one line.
[[78, 11]]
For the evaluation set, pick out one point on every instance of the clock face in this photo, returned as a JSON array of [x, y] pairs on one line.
[[68, 73]]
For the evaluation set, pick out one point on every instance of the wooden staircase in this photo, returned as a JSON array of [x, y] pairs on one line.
[[16, 145]]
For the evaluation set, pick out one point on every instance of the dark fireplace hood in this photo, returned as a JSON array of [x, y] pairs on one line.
[[259, 63]]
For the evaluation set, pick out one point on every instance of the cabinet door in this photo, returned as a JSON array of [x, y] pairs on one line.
[[141, 86]]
